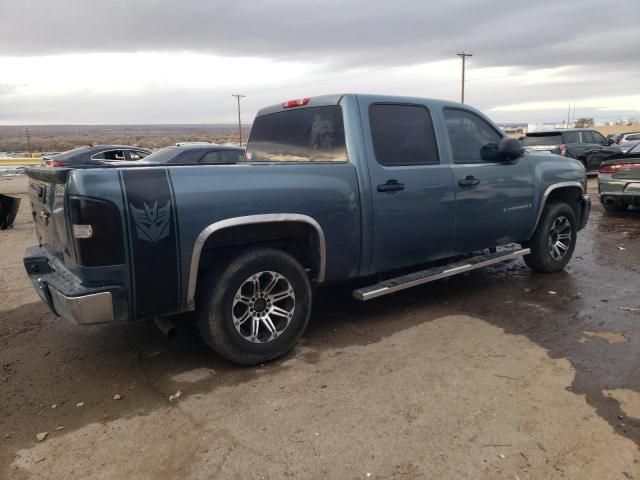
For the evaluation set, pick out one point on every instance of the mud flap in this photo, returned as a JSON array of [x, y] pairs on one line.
[[8, 211]]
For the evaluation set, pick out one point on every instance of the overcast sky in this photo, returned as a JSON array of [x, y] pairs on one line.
[[161, 61]]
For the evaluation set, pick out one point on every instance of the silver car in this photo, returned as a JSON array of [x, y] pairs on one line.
[[619, 180]]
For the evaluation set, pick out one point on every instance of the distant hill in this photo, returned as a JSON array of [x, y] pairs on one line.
[[47, 138]]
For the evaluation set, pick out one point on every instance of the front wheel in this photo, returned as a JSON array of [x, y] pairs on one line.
[[255, 307], [554, 240]]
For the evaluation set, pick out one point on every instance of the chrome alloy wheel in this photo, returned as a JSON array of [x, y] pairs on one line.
[[263, 307], [559, 238]]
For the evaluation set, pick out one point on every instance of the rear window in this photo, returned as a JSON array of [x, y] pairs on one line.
[[542, 139], [163, 156], [313, 134]]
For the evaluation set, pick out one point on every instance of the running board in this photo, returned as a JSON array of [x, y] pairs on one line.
[[436, 273]]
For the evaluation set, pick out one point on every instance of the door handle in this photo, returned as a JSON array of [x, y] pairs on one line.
[[391, 186], [469, 181]]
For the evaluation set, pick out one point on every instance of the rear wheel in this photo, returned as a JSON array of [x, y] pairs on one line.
[[554, 241], [255, 307]]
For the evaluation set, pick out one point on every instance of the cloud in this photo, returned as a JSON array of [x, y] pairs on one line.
[[162, 61], [353, 33]]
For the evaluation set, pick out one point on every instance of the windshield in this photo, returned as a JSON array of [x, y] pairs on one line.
[[542, 139], [313, 134]]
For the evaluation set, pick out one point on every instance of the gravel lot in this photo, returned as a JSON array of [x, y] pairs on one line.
[[499, 374]]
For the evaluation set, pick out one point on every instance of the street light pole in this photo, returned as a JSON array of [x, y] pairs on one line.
[[463, 56], [238, 97]]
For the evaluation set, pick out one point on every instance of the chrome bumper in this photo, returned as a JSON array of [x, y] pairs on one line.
[[84, 310]]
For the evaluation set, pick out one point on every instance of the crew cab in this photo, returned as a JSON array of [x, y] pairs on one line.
[[393, 191]]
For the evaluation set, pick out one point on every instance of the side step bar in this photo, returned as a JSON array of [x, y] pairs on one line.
[[436, 273]]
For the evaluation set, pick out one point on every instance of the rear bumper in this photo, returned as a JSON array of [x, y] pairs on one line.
[[585, 210], [65, 294]]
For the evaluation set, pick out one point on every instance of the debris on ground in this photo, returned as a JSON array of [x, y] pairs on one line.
[[41, 436], [117, 396], [175, 396], [80, 404]]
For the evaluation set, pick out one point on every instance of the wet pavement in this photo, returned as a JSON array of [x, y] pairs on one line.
[[552, 357]]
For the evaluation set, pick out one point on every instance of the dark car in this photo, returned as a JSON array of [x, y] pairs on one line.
[[583, 144], [619, 180], [92, 154], [197, 153]]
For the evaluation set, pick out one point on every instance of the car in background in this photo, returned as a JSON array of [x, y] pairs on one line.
[[619, 180], [92, 154], [197, 153], [629, 140], [585, 145], [618, 137]]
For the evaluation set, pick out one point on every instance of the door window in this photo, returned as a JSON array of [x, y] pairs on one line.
[[598, 138], [402, 135], [587, 137], [110, 155], [472, 139], [137, 154]]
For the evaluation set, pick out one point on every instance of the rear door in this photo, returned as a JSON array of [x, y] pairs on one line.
[[412, 190], [494, 200]]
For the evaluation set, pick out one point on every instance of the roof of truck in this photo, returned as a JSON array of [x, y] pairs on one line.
[[334, 99]]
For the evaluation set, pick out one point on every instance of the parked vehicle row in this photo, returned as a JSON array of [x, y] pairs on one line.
[[585, 145], [185, 153], [333, 188]]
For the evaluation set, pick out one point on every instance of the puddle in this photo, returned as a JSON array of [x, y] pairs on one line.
[[629, 401], [610, 337]]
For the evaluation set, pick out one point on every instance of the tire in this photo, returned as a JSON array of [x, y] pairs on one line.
[[249, 326], [558, 220], [615, 207]]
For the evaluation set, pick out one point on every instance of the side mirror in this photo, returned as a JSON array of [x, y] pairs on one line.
[[510, 149], [610, 141]]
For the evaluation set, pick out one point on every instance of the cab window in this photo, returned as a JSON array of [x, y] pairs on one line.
[[402, 135], [471, 138]]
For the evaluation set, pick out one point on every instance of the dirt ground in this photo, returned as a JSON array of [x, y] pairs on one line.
[[499, 374]]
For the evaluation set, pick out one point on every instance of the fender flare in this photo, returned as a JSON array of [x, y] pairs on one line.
[[250, 220], [545, 197]]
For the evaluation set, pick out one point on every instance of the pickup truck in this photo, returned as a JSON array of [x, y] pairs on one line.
[[394, 191]]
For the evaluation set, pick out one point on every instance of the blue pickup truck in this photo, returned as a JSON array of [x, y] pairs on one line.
[[395, 191]]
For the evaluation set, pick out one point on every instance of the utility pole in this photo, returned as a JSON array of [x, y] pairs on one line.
[[568, 115], [238, 97], [463, 56], [29, 143]]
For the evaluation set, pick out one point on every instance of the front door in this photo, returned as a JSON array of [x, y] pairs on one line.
[[412, 191], [494, 199]]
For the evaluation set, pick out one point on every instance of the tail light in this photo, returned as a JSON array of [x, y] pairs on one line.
[[617, 167], [563, 149], [300, 102], [96, 227], [53, 163]]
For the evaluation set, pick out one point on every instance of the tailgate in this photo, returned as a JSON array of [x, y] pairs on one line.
[[46, 194]]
